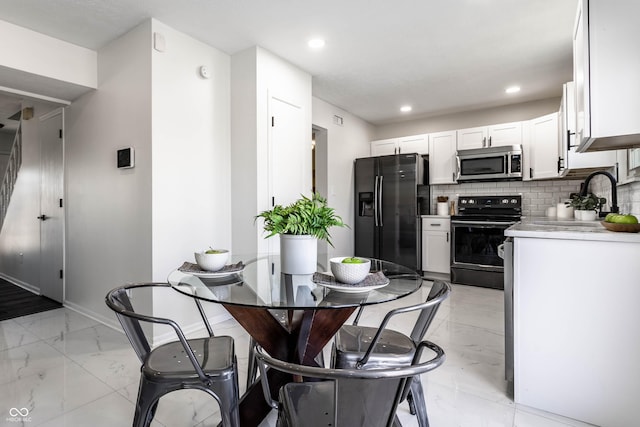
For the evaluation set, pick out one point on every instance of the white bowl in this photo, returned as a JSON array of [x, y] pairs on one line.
[[212, 262], [349, 273]]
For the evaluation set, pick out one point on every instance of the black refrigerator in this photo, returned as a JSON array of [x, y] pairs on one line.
[[388, 208]]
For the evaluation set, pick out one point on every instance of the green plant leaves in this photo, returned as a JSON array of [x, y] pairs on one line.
[[306, 215]]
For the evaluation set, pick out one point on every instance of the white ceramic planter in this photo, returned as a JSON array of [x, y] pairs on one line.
[[586, 215], [298, 254]]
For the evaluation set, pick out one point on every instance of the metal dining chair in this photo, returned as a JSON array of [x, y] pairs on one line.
[[207, 364], [342, 397], [365, 347]]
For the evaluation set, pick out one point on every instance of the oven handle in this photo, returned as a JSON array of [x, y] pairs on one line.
[[507, 223]]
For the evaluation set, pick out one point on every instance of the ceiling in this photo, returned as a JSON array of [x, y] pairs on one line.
[[437, 56]]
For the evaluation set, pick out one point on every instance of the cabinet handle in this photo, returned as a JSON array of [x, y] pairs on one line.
[[435, 225], [489, 142], [530, 172], [484, 141], [447, 237]]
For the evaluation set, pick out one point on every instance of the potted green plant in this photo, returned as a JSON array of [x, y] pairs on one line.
[[585, 206], [299, 225]]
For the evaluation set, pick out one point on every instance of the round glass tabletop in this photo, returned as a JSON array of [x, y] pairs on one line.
[[258, 282]]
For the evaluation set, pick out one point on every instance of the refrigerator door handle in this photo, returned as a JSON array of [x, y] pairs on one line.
[[380, 202], [375, 202]]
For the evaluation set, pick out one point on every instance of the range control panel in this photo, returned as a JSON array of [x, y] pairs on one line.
[[507, 204]]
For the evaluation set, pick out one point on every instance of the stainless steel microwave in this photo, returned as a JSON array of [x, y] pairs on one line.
[[490, 164]]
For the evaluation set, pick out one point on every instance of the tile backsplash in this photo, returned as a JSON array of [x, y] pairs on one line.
[[538, 195]]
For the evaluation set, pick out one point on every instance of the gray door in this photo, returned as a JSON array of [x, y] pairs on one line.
[[51, 206]]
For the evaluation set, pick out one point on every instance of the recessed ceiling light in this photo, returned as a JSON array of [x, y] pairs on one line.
[[405, 108], [512, 89], [316, 43]]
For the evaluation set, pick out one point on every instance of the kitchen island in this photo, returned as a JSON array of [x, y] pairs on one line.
[[576, 318]]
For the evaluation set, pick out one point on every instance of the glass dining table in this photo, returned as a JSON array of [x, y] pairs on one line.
[[291, 316]]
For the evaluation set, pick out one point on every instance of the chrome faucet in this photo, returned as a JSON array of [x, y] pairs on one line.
[[614, 191]]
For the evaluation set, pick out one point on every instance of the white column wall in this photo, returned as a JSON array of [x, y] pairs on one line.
[[191, 178], [108, 229]]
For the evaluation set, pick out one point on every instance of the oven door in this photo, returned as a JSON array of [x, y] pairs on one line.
[[475, 244]]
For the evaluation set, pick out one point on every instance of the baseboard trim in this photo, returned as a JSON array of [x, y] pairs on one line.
[[20, 283]]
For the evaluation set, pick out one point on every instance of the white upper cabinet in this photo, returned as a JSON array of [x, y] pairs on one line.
[[404, 145], [543, 147], [414, 144], [490, 136], [606, 68], [384, 147], [573, 163], [472, 138], [442, 158]]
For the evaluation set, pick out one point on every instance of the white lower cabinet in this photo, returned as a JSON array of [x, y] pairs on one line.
[[436, 244], [576, 325]]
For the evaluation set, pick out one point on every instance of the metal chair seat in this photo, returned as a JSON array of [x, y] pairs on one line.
[[392, 348], [169, 362]]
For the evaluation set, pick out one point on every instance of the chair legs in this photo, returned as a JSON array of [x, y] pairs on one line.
[[224, 391], [417, 403], [252, 369]]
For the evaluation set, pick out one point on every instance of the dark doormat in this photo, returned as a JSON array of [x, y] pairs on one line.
[[16, 302]]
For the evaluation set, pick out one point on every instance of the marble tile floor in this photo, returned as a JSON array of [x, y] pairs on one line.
[[69, 370]]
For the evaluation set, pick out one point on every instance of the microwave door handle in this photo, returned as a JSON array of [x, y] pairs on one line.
[[507, 164], [458, 168]]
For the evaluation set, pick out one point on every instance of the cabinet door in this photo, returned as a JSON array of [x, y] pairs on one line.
[[543, 147], [581, 73], [435, 251], [414, 144], [472, 138], [442, 158], [504, 134], [634, 158], [384, 147]]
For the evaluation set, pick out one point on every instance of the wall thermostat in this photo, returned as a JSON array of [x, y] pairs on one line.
[[126, 158]]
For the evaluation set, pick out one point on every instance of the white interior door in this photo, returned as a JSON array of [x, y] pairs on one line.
[[289, 157], [51, 206]]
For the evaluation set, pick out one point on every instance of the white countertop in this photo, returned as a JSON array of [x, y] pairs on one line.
[[567, 229]]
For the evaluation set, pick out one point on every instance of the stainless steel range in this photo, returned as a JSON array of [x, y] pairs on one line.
[[476, 233]]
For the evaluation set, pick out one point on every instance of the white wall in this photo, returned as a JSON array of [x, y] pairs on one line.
[[108, 210], [467, 119], [191, 158], [191, 151], [21, 230], [244, 154], [137, 225], [30, 52], [345, 144]]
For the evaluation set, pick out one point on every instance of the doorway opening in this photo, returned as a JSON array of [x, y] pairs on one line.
[[320, 178]]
